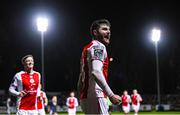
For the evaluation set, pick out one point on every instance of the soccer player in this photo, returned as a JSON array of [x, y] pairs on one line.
[[136, 99], [25, 86], [53, 106], [92, 84], [8, 105], [126, 99], [72, 103], [42, 101]]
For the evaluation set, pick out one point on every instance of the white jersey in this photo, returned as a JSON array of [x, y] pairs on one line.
[[29, 83], [93, 51]]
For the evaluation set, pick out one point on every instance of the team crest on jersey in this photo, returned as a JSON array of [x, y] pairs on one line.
[[98, 53], [31, 80]]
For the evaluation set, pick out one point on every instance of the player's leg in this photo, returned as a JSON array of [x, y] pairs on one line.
[[32, 112], [21, 112], [42, 112], [126, 110], [103, 106], [71, 112], [90, 106], [136, 109]]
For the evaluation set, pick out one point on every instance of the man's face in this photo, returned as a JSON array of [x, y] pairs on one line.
[[72, 94], [125, 92], [29, 63], [134, 91], [104, 33]]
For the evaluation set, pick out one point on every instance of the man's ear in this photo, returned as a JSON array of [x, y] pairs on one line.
[[95, 32]]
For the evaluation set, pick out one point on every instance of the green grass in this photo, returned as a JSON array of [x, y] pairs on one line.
[[131, 113], [140, 113]]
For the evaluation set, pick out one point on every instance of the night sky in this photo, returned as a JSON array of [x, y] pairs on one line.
[[68, 32]]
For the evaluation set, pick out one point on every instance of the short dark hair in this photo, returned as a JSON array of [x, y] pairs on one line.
[[96, 25], [25, 57]]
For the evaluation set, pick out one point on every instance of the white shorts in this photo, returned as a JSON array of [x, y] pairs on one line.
[[136, 107], [72, 111], [126, 109], [27, 112], [97, 105], [41, 112]]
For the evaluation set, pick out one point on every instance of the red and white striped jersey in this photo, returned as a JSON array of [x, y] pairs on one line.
[[29, 83], [72, 102], [41, 99], [95, 50], [136, 98], [126, 99]]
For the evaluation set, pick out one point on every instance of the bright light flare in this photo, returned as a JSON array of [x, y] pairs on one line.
[[156, 35], [42, 24]]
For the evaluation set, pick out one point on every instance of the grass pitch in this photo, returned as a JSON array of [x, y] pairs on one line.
[[131, 113], [140, 113]]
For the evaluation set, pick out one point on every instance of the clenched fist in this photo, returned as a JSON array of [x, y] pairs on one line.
[[115, 99]]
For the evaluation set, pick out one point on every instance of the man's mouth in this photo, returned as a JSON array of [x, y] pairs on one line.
[[107, 37]]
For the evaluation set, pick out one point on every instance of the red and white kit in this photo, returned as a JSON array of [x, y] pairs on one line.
[[28, 83], [72, 103], [126, 99], [90, 92], [136, 98], [40, 103]]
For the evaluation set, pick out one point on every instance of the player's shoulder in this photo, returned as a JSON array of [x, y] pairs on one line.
[[35, 72], [95, 44], [18, 74], [98, 45]]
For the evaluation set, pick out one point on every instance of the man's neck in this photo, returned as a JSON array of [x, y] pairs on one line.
[[29, 70]]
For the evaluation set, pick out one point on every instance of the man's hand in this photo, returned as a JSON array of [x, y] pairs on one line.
[[22, 93], [115, 99]]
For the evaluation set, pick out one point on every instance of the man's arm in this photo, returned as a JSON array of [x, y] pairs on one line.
[[99, 78], [13, 87], [97, 66], [140, 98], [76, 102], [45, 99], [79, 85], [67, 102]]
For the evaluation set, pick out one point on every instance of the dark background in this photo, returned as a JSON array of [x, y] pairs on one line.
[[131, 47]]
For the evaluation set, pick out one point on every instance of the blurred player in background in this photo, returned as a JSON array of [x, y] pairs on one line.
[[25, 86], [136, 99], [72, 103], [53, 106], [42, 101], [8, 103], [126, 99], [92, 84]]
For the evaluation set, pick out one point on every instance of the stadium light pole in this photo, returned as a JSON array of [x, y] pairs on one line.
[[42, 24], [155, 38]]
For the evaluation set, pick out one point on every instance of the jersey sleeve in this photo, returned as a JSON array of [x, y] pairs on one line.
[[44, 95], [13, 86], [76, 102], [67, 102], [97, 53], [39, 89]]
